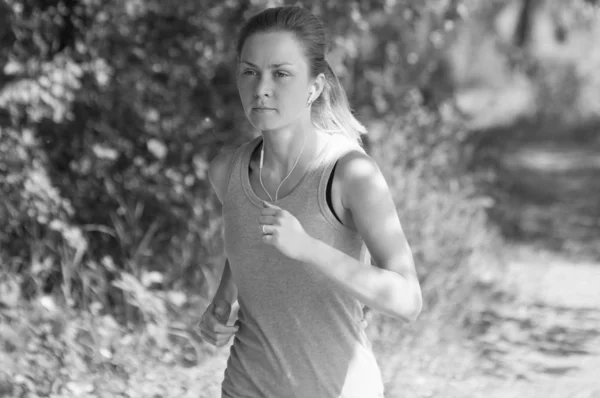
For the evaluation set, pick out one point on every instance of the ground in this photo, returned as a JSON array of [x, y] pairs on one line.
[[544, 344], [551, 341]]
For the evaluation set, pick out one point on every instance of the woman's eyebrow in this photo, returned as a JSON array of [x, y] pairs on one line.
[[272, 65]]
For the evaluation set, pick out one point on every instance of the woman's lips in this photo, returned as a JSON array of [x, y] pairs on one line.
[[262, 109]]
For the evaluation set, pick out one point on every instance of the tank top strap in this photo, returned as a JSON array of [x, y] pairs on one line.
[[340, 147], [236, 166], [337, 149]]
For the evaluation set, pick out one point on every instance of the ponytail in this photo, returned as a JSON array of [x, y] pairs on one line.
[[331, 111]]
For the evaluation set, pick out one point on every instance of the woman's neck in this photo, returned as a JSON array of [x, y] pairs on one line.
[[283, 148]]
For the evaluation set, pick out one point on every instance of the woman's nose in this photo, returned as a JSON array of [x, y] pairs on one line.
[[263, 87]]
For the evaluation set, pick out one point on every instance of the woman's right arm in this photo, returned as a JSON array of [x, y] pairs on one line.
[[218, 173]]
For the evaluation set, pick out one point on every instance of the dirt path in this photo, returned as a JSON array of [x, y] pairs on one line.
[[545, 346], [549, 345]]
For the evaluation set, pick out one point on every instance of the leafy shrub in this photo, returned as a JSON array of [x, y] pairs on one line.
[[109, 118], [457, 252]]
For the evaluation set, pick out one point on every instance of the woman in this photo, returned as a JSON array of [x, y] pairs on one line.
[[302, 203]]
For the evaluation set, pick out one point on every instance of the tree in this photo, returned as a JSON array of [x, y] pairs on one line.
[[111, 110]]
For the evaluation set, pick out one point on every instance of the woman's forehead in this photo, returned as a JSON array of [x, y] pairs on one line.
[[273, 49]]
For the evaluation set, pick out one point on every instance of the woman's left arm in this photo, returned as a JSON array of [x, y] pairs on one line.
[[392, 286]]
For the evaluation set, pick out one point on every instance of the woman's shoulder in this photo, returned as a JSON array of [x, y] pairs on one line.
[[219, 168], [355, 168], [354, 163]]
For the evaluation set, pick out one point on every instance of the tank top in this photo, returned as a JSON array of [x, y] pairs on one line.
[[300, 335]]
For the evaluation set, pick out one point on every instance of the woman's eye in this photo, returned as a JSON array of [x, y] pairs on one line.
[[281, 74], [249, 72]]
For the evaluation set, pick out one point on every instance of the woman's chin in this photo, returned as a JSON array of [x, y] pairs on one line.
[[264, 125]]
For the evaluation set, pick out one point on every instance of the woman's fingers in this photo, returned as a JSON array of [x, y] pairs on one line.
[[217, 339], [270, 206], [270, 211], [215, 332], [221, 309], [268, 229], [220, 328], [267, 220], [212, 325]]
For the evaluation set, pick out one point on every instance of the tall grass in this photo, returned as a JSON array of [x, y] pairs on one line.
[[458, 253]]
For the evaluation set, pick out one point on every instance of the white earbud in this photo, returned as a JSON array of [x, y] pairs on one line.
[[309, 101]]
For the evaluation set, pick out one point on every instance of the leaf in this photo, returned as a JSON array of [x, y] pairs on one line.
[[10, 292]]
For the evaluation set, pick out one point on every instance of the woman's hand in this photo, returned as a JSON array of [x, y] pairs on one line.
[[282, 230], [213, 325]]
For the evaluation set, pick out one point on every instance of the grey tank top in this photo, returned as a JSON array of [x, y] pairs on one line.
[[300, 335]]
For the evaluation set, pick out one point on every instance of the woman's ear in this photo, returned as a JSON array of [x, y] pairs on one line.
[[316, 88]]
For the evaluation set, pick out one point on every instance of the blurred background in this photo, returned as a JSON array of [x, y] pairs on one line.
[[483, 116]]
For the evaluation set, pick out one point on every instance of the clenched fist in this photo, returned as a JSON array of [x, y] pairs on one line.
[[213, 324]]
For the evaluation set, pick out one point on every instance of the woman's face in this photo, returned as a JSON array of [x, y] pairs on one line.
[[273, 80]]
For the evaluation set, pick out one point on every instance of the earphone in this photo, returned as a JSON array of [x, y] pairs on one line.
[[309, 100], [262, 158]]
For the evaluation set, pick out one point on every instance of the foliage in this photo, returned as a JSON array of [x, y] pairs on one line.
[[538, 123], [111, 112], [109, 119], [457, 253]]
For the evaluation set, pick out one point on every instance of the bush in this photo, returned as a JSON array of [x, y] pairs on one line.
[[457, 252], [109, 117]]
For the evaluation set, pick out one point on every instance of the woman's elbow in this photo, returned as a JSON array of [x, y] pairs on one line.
[[416, 309], [410, 313]]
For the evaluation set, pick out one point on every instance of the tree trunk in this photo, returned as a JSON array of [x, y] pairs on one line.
[[525, 23]]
